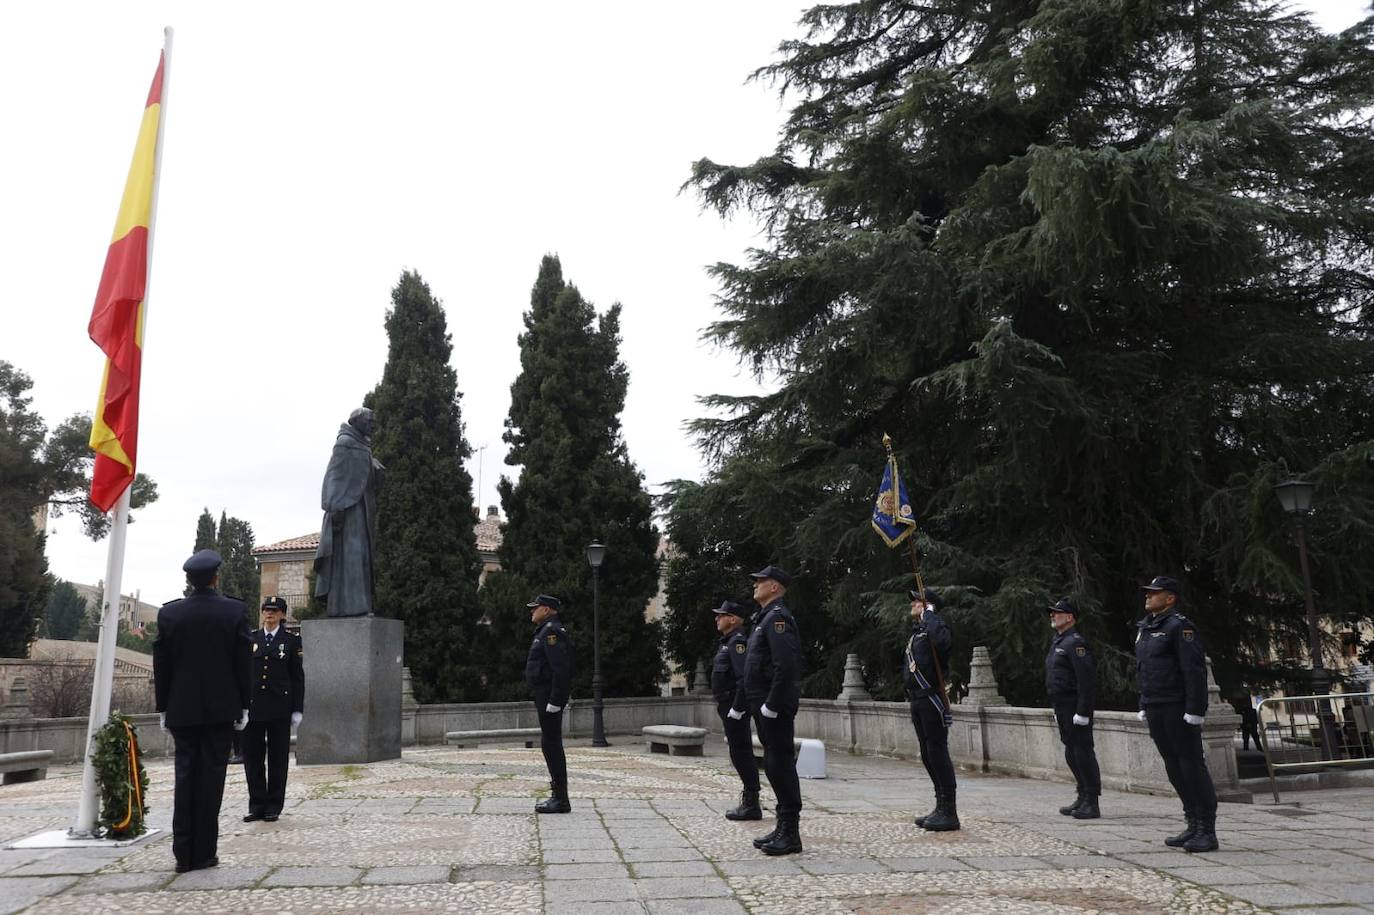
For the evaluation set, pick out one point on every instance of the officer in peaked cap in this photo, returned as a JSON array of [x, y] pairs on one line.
[[548, 672], [927, 654], [200, 677], [727, 670], [1172, 669], [278, 703], [1070, 678], [770, 690]]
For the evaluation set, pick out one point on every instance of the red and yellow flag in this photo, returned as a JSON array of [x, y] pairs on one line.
[[117, 318]]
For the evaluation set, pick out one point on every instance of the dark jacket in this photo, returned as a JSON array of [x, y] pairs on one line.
[[1070, 675], [1170, 662], [278, 676], [929, 630], [549, 667], [201, 660], [772, 662], [727, 667]]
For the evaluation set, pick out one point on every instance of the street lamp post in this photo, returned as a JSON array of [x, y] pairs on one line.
[[1296, 498], [596, 553]]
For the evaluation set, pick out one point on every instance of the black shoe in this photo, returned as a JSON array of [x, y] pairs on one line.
[[786, 842], [921, 821], [270, 817], [1205, 838], [1078, 802], [748, 808], [1088, 810], [254, 817], [213, 862], [556, 802], [183, 868], [946, 816], [768, 836], [1182, 838]]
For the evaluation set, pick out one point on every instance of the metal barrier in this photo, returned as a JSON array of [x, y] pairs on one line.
[[1317, 733]]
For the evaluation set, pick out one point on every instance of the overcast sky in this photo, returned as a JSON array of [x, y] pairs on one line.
[[311, 154]]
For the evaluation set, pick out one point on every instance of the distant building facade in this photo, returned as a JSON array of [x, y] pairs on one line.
[[134, 613]]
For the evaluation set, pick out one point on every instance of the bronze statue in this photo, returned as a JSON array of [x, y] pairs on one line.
[[345, 559]]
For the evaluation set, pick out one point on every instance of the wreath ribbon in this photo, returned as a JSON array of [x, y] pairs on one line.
[[133, 799]]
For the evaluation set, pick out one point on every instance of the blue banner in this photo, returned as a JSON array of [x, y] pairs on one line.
[[893, 518]]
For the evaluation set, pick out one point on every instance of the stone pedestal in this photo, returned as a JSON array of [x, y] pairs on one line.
[[853, 689], [701, 681], [982, 684], [352, 691]]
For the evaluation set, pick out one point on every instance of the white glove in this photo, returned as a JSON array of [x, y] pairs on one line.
[[1140, 714], [1081, 720], [242, 722], [767, 712], [162, 720], [296, 719], [735, 714], [553, 709], [1192, 719]]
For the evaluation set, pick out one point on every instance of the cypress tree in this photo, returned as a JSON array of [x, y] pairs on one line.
[[1103, 273], [65, 612], [205, 532], [577, 484], [24, 579], [427, 561], [238, 576]]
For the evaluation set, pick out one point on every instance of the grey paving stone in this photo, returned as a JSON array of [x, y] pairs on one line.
[[1163, 859], [635, 855], [922, 865], [67, 862], [18, 893], [1073, 862], [1211, 875], [312, 876], [407, 875], [1342, 891], [822, 866], [695, 907], [1326, 910], [585, 891], [498, 873], [585, 871], [644, 840], [1272, 894], [682, 887], [619, 907], [674, 869], [580, 855], [755, 867], [998, 863], [142, 881], [219, 878]]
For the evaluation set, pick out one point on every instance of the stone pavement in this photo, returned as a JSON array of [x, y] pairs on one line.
[[454, 830]]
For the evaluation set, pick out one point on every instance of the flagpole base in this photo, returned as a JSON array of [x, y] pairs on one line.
[[64, 838]]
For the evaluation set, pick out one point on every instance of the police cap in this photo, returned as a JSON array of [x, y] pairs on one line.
[[729, 607], [932, 597], [275, 603], [1063, 605], [1163, 583], [544, 600], [774, 573], [202, 562]]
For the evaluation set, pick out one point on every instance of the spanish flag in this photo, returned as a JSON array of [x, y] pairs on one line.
[[117, 318]]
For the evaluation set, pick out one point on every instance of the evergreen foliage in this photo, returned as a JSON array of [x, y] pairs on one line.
[[238, 575], [577, 484], [121, 779], [427, 561], [65, 611], [206, 539], [1104, 272]]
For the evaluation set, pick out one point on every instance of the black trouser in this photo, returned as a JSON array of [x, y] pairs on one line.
[[202, 756], [738, 738], [551, 742], [1078, 748], [266, 742], [927, 717], [780, 760], [1180, 744], [1247, 731]]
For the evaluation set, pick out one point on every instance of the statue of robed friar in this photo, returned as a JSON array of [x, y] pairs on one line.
[[345, 559]]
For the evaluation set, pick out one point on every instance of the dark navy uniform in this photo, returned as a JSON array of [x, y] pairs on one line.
[[1172, 670], [201, 680], [727, 671], [278, 691], [931, 637], [1070, 679], [771, 677], [548, 673]]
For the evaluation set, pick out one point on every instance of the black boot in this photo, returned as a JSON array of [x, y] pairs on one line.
[[1205, 837], [921, 821], [786, 842], [748, 808], [946, 815], [1088, 809], [557, 802], [1077, 802], [1182, 838], [770, 835]]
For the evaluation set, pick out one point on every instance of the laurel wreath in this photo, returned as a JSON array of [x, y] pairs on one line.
[[121, 779]]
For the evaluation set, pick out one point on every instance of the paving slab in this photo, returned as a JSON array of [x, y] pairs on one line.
[[394, 876], [312, 876]]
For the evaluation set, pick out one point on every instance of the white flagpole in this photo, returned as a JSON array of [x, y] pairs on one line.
[[102, 685]]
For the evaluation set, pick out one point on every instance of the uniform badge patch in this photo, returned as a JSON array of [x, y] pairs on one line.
[[551, 639], [1187, 635], [1080, 651], [780, 626], [739, 648], [255, 648]]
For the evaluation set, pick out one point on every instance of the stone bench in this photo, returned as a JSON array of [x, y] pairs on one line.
[[472, 738], [810, 755], [674, 740], [27, 766]]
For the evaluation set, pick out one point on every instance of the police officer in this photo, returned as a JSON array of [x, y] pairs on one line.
[[548, 672], [1070, 678], [926, 652], [727, 669], [1172, 670], [278, 700], [770, 690], [200, 678]]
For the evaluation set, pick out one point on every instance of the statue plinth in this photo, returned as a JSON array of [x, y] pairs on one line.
[[352, 690]]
